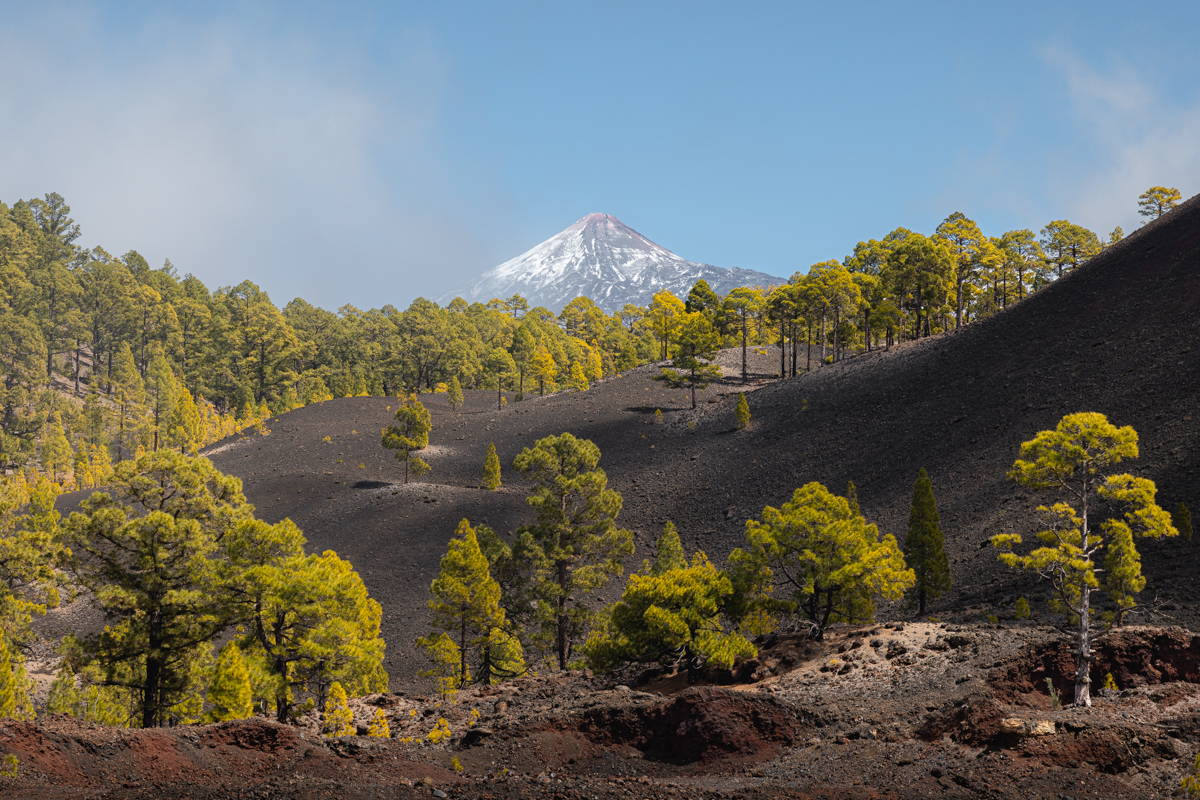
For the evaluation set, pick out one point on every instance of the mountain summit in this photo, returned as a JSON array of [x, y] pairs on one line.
[[601, 258]]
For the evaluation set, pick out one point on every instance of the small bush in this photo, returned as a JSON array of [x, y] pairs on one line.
[[339, 719], [327, 440], [440, 732], [1022, 609], [379, 727], [658, 416], [455, 764], [741, 415], [1109, 683]]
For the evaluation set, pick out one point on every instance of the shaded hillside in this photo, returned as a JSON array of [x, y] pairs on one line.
[[1116, 337]]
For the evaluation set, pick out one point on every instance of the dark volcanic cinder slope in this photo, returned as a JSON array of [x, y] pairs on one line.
[[1119, 336]]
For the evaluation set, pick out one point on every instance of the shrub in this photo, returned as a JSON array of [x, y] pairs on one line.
[[741, 415], [339, 720], [379, 727], [1022, 608]]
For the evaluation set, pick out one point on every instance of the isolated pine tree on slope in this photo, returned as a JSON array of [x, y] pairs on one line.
[[925, 547], [491, 468]]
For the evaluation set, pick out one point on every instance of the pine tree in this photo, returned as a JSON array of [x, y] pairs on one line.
[[56, 448], [698, 343], [379, 727], [409, 434], [129, 396], [163, 392], [184, 428], [230, 694], [831, 563], [578, 381], [454, 395], [925, 546], [668, 552], [447, 666], [543, 369], [466, 599], [1183, 521], [575, 545], [339, 719], [671, 617], [1081, 554], [852, 498], [491, 469], [741, 415]]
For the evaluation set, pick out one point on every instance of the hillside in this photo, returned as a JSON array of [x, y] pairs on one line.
[[1116, 337]]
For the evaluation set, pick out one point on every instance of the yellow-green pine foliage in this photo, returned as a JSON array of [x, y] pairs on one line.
[[925, 547], [1157, 200], [409, 434], [440, 733], [11, 767], [447, 666], [163, 395], [8, 681], [1191, 781], [658, 416], [595, 365], [827, 562], [542, 368], [339, 719], [1183, 521], [1110, 683], [852, 498], [466, 599], [491, 468], [149, 551], [379, 727], [454, 395], [64, 695], [129, 397], [30, 552], [196, 672], [668, 553], [1022, 610], [574, 545], [696, 346], [1080, 554], [578, 381], [741, 415], [671, 618], [230, 694], [502, 658], [185, 429], [57, 454], [318, 618]]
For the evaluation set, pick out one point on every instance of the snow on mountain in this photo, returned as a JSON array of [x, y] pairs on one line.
[[601, 258]]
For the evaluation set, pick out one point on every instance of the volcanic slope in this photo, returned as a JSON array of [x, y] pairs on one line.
[[1118, 336]]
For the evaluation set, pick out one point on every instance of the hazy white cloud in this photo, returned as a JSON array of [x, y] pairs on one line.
[[239, 155], [1135, 140]]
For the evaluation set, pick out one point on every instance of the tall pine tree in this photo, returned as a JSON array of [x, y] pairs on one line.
[[925, 547]]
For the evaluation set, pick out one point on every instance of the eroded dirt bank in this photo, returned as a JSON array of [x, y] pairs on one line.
[[884, 711]]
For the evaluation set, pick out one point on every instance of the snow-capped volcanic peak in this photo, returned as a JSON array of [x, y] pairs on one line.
[[604, 259]]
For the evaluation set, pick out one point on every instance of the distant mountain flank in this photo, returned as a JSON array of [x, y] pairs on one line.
[[601, 258]]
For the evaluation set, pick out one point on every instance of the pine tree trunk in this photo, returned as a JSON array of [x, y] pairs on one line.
[[743, 349], [562, 616], [1083, 656], [822, 336], [782, 351], [150, 691]]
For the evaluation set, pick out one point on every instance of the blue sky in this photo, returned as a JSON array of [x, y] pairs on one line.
[[372, 153]]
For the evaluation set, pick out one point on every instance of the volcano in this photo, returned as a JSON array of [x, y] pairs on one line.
[[601, 258]]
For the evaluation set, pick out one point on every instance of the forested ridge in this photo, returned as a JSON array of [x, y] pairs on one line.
[[105, 355]]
